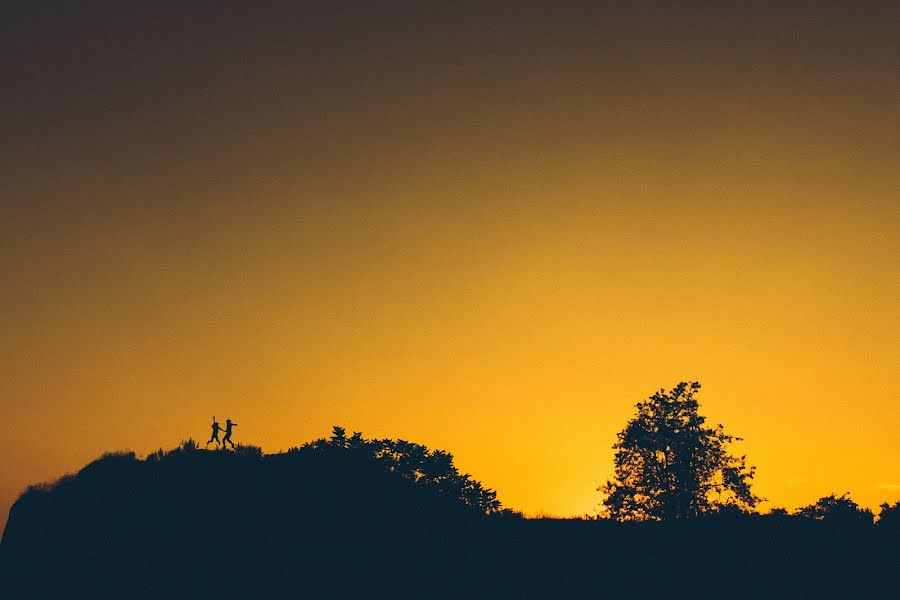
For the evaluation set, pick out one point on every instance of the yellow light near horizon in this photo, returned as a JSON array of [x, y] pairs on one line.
[[497, 259]]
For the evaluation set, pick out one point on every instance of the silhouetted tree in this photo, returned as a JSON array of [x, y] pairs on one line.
[[338, 437], [668, 465], [414, 462], [889, 517], [837, 509]]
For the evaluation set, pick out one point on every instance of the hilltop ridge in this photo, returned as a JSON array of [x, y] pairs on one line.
[[381, 518]]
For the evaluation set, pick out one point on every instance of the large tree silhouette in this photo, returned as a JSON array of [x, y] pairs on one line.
[[669, 465]]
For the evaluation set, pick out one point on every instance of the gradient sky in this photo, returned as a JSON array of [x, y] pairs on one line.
[[490, 228]]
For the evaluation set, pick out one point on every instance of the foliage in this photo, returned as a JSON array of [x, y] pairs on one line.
[[248, 450], [836, 509], [185, 447], [346, 515], [118, 456], [47, 486], [669, 465], [433, 469], [889, 517]]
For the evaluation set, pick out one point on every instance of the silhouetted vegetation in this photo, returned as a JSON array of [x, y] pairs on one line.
[[354, 517], [413, 462], [837, 509], [668, 465], [889, 518]]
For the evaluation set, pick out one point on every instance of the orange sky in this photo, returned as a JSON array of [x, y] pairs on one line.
[[487, 231]]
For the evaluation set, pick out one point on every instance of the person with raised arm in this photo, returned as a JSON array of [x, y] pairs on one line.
[[215, 432]]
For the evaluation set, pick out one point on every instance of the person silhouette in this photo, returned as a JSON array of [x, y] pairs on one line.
[[215, 432], [227, 438]]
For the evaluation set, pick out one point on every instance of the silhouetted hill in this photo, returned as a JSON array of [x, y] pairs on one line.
[[194, 520], [334, 519]]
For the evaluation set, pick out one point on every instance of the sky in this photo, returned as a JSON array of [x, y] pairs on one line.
[[491, 228]]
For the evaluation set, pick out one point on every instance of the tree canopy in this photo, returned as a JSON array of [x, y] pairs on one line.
[[433, 469], [670, 465], [837, 509], [889, 517]]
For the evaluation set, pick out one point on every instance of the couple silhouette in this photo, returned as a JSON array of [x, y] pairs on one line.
[[215, 433]]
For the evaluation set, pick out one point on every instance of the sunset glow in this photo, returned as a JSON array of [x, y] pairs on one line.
[[489, 234]]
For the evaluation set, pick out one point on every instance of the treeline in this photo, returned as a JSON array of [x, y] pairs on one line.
[[358, 517]]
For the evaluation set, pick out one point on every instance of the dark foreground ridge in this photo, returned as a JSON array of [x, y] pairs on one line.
[[348, 517]]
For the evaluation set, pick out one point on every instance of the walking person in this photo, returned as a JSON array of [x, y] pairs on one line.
[[227, 438]]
